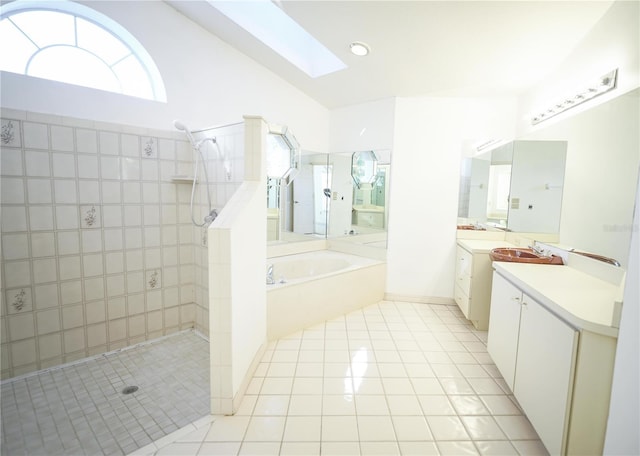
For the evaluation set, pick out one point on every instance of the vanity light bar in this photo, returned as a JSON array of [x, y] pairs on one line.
[[604, 85], [491, 144]]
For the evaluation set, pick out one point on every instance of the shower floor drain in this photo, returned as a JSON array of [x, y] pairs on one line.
[[129, 389]]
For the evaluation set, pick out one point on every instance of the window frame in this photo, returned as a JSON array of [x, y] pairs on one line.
[[154, 77]]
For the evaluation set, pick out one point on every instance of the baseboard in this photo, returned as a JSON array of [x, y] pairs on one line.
[[420, 299], [237, 398]]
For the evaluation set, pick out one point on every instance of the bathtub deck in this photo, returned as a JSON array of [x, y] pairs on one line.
[[79, 409], [294, 306]]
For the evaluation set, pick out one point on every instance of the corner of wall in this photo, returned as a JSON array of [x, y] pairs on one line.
[[237, 269]]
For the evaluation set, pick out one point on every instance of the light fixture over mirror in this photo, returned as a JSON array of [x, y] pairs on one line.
[[603, 85]]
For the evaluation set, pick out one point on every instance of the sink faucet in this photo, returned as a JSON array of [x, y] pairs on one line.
[[270, 279], [537, 249]]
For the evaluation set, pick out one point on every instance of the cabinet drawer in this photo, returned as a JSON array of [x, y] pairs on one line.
[[464, 265], [463, 300]]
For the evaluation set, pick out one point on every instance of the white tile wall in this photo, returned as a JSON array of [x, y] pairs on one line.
[[39, 191], [98, 244], [15, 246], [64, 165], [46, 296], [37, 163]]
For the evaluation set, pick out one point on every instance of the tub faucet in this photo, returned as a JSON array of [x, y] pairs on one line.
[[270, 279]]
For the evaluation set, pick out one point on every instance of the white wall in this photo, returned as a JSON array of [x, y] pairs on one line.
[[342, 186], [425, 166], [366, 126], [624, 413], [238, 302], [207, 82]]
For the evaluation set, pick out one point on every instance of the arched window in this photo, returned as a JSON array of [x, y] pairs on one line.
[[69, 42]]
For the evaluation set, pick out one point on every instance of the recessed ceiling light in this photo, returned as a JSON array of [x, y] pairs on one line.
[[358, 48]]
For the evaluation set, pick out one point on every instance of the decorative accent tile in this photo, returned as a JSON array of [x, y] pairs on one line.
[[153, 279], [10, 135], [149, 148], [89, 217], [19, 300]]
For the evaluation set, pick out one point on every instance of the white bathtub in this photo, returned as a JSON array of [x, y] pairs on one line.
[[316, 286]]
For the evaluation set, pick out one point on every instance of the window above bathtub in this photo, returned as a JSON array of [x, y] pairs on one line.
[[72, 43]]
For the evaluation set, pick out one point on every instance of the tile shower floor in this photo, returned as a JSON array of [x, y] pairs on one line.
[[391, 379], [79, 409]]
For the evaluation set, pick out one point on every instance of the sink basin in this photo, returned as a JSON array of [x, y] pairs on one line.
[[522, 255], [471, 227]]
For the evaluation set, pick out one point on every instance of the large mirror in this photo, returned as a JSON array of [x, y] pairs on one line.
[[298, 206], [283, 157], [324, 199], [360, 196], [598, 182], [515, 186]]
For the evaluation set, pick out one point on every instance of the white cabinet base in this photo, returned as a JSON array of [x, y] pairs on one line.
[[560, 375], [472, 290], [544, 372]]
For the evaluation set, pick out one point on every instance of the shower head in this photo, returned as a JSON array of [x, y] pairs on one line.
[[182, 127], [179, 125]]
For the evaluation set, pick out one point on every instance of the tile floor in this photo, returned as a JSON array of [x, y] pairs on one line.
[[391, 379], [79, 409]]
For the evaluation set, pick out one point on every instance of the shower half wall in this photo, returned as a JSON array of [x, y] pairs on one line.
[[98, 248]]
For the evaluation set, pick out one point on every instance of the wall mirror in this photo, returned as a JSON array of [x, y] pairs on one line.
[[360, 196], [322, 199], [297, 204], [515, 186], [283, 163]]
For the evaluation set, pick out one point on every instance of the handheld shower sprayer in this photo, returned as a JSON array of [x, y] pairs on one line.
[[182, 127], [196, 145]]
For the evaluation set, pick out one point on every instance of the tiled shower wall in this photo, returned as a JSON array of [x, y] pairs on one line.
[[98, 248]]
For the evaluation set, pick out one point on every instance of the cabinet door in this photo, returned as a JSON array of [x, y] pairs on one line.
[[544, 372], [504, 326], [464, 265]]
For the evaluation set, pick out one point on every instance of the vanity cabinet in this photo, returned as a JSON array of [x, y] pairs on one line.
[[368, 218], [552, 368], [273, 229], [544, 372], [472, 291], [535, 353]]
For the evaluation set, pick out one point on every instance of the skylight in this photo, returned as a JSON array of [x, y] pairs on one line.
[[268, 23]]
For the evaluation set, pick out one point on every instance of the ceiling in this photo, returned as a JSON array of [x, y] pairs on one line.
[[436, 48]]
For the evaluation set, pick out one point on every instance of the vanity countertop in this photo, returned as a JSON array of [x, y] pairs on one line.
[[482, 245], [582, 300]]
